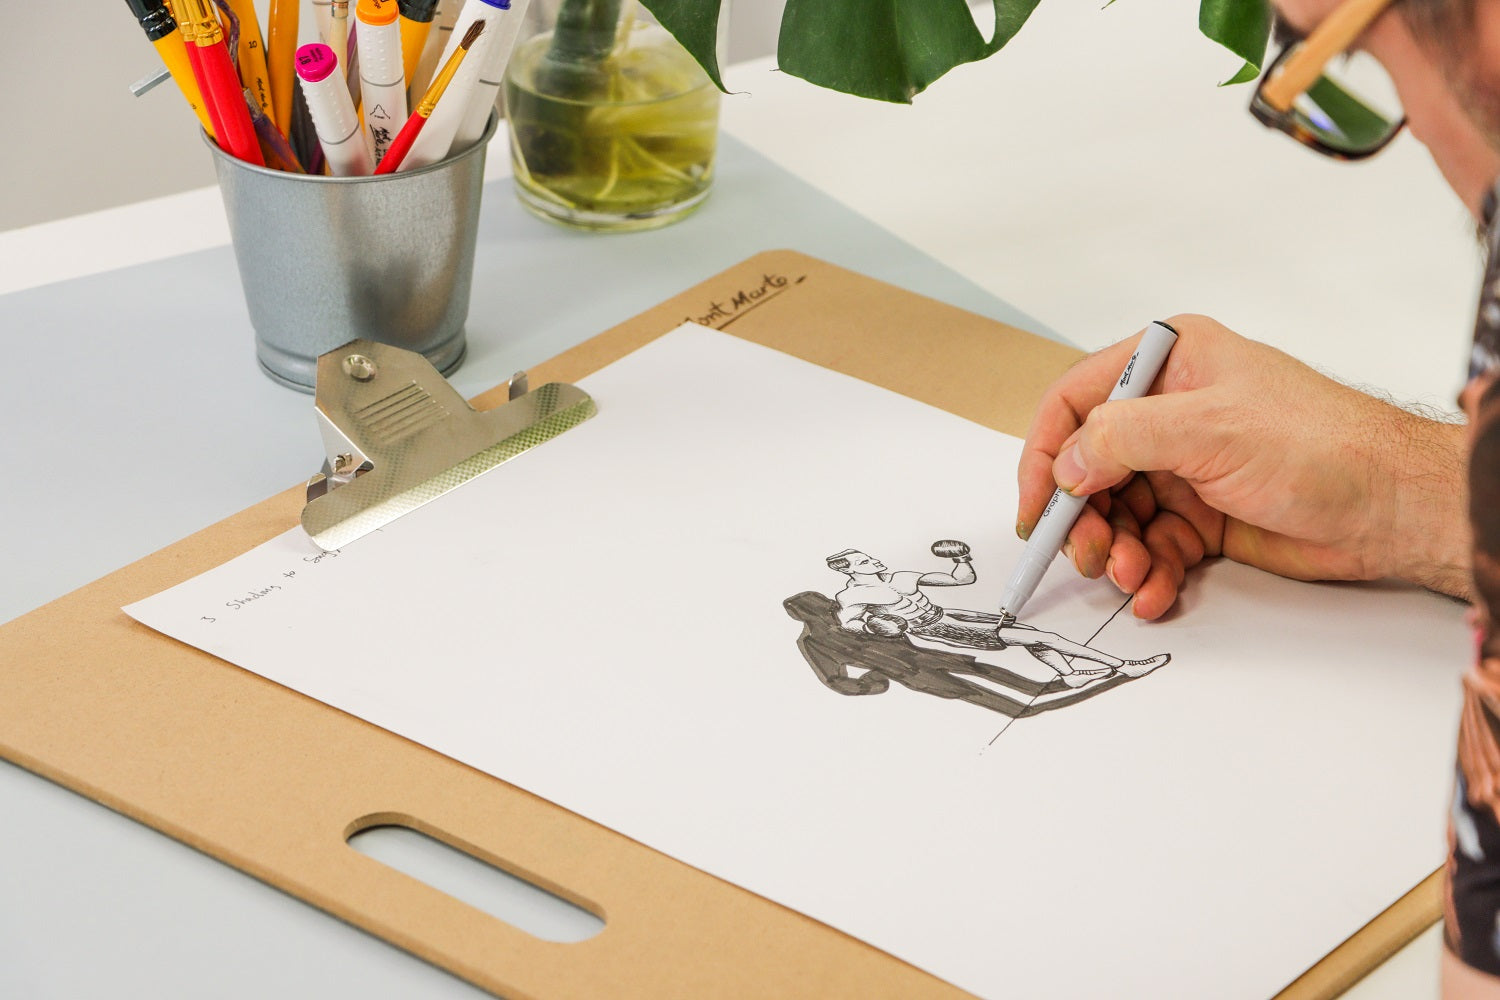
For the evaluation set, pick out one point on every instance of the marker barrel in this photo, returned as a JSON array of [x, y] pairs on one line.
[[382, 81], [505, 25], [436, 138], [1062, 511], [333, 114]]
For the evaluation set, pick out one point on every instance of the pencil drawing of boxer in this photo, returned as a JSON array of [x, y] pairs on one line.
[[860, 640]]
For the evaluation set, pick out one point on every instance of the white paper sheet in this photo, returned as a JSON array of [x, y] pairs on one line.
[[601, 621]]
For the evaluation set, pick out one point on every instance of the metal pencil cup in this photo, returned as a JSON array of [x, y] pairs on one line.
[[324, 260]]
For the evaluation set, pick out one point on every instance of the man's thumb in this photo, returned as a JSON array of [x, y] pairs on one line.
[[1122, 437]]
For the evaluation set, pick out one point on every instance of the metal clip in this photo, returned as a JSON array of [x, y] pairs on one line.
[[398, 435]]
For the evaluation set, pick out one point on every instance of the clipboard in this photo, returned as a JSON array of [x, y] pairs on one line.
[[204, 751]]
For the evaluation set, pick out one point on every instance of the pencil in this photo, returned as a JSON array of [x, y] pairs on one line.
[[281, 61], [250, 53], [338, 32]]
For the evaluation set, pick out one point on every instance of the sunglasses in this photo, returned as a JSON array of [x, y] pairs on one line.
[[1340, 103]]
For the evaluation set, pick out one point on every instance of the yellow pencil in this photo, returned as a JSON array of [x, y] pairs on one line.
[[282, 60], [250, 56]]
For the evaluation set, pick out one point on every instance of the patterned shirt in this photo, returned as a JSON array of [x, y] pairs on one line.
[[1472, 898]]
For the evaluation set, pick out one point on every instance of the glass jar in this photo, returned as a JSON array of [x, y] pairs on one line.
[[613, 125]]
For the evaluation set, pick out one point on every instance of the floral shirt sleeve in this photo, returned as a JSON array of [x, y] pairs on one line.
[[1472, 901]]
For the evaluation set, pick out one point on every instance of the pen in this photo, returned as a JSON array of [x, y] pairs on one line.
[[332, 111], [416, 22], [408, 134], [161, 30], [1063, 509], [281, 52], [382, 84], [217, 80]]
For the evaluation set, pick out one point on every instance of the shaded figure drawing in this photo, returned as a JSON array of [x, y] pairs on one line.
[[860, 640]]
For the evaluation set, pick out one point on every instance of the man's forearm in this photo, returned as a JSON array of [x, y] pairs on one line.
[[1431, 519]]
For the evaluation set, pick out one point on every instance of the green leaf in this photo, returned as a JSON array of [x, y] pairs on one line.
[[1247, 72], [695, 25], [890, 50], [1241, 26]]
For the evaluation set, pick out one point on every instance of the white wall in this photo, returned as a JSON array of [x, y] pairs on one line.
[[83, 143]]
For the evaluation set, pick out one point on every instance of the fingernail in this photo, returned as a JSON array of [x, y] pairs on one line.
[[1068, 471], [1109, 572], [1067, 551], [1097, 558], [1023, 530]]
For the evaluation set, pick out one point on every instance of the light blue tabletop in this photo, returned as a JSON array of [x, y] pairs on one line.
[[131, 423]]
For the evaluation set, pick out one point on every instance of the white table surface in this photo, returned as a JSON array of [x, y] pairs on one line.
[[1092, 176]]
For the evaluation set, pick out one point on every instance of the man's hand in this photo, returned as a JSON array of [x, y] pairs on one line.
[[1244, 452]]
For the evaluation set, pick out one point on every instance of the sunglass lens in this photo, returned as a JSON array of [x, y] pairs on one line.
[[1352, 107]]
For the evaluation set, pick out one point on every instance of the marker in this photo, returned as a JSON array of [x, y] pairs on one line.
[[382, 84], [217, 80], [476, 113], [396, 155], [161, 31], [416, 22], [437, 135], [1063, 509], [332, 111]]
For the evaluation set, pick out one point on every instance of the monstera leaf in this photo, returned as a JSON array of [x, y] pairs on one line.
[[1242, 27], [891, 50]]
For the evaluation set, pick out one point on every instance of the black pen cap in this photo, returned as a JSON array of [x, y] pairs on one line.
[[155, 19], [417, 10]]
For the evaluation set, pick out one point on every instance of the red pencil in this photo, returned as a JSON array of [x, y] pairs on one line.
[[396, 151], [221, 87]]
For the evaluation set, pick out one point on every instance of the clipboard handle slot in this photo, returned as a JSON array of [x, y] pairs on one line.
[[426, 855]]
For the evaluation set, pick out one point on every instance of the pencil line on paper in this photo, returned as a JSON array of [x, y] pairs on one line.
[[1101, 628]]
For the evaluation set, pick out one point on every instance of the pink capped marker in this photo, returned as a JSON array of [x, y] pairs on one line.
[[345, 144]]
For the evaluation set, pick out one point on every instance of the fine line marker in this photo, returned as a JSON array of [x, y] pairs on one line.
[[1063, 509]]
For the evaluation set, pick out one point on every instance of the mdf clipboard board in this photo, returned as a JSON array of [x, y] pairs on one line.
[[274, 783]]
